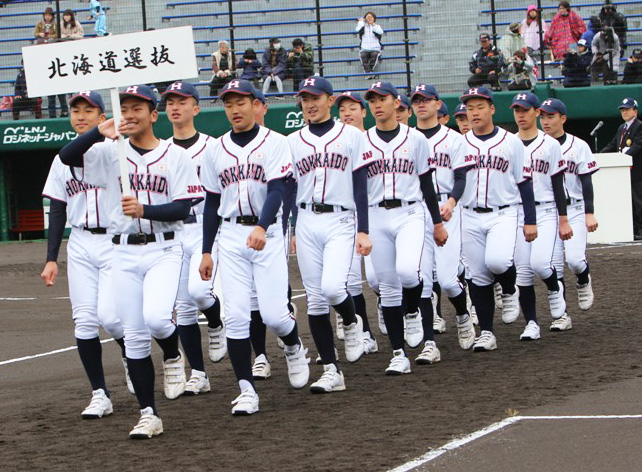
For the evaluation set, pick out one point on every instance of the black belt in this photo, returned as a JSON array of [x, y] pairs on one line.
[[395, 203], [245, 220], [569, 201], [190, 220], [542, 203], [140, 239], [321, 207], [96, 230], [486, 210]]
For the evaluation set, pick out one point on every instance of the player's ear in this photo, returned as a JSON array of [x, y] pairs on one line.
[[331, 99], [154, 115], [537, 112], [563, 117], [102, 118], [492, 109]]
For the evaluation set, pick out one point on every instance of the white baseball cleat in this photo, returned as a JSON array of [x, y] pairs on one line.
[[247, 403], [149, 425], [399, 364], [382, 323], [438, 324], [485, 342], [174, 376], [562, 324], [354, 340], [128, 380], [499, 300], [331, 381], [556, 302], [531, 332], [585, 295], [369, 343], [466, 333], [217, 348], [510, 306], [298, 366], [471, 308], [340, 328], [261, 370], [198, 383], [414, 332], [429, 355], [99, 406]]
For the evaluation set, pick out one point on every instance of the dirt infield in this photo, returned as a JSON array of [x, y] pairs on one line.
[[378, 423]]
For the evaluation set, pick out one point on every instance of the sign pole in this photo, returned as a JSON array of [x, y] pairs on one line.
[[122, 154]]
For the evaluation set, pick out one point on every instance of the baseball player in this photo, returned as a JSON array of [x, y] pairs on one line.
[[461, 118], [536, 258], [146, 233], [404, 110], [194, 294], [352, 111], [443, 115], [245, 180], [89, 254], [330, 167], [501, 175], [398, 178], [579, 197], [447, 151]]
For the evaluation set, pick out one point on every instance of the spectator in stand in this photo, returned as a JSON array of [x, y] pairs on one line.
[[300, 62], [404, 110], [633, 68], [511, 41], [250, 66], [576, 66], [46, 28], [609, 16], [370, 34], [21, 100], [70, 28], [274, 66], [223, 67], [520, 72], [98, 14], [606, 56], [567, 27], [530, 29], [486, 64], [593, 27]]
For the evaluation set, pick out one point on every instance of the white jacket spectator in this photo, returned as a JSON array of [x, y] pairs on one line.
[[370, 34], [530, 28]]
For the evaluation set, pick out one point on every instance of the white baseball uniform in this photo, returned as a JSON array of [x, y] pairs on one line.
[[240, 175], [490, 201], [536, 257], [579, 161], [89, 256], [323, 167], [194, 293], [146, 276], [397, 233]]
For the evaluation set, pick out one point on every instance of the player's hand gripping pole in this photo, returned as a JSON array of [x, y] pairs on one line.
[[122, 153]]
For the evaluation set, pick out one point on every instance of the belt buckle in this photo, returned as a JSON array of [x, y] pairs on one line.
[[244, 220], [387, 204], [317, 208], [141, 239]]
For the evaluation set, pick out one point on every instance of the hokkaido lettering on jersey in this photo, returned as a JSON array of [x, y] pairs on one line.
[[310, 163]]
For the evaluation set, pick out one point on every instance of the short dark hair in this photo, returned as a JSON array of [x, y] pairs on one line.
[[565, 4], [297, 42], [484, 36], [374, 15], [249, 54]]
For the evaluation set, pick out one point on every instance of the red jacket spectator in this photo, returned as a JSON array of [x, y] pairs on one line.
[[566, 28]]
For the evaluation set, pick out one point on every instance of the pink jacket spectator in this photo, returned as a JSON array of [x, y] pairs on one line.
[[564, 31], [530, 29]]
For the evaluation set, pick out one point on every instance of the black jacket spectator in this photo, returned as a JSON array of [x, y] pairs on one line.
[[609, 16], [576, 66], [633, 141], [633, 68], [486, 64], [21, 101]]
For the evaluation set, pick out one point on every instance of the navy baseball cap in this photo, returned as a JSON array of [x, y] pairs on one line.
[[476, 92], [405, 101], [91, 97], [526, 101], [461, 109], [383, 89], [424, 90], [316, 86], [443, 110], [144, 92], [258, 94], [553, 105], [182, 89], [239, 86], [629, 103], [349, 95]]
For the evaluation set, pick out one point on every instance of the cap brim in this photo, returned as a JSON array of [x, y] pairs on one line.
[[311, 92], [551, 110], [238, 92], [75, 98], [465, 98], [137, 95], [341, 98], [524, 105], [369, 93], [167, 93], [626, 106], [425, 95]]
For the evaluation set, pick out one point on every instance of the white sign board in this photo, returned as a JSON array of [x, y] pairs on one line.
[[110, 61]]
